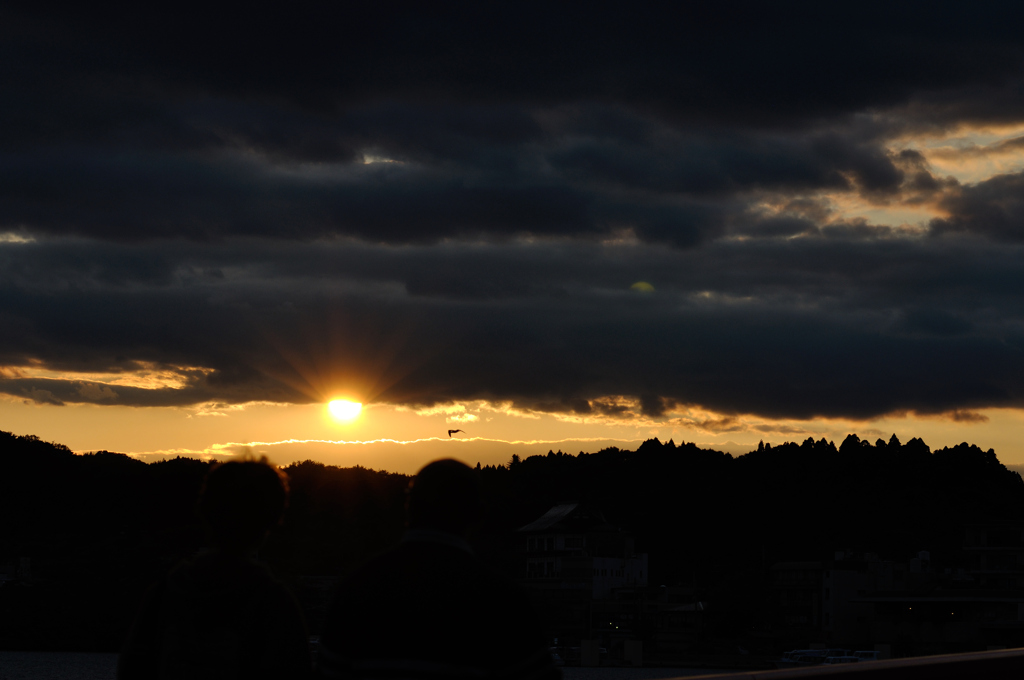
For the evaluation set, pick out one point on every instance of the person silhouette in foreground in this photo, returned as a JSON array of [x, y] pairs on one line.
[[429, 608], [221, 614]]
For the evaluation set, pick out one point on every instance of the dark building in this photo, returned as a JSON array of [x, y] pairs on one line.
[[572, 548], [958, 610], [588, 583], [831, 603], [573, 556], [911, 607], [15, 569], [667, 620], [798, 592], [995, 555]]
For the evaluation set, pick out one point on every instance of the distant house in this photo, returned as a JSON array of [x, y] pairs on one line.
[[574, 548], [830, 602], [13, 570], [667, 620], [910, 607], [588, 583], [980, 607], [8, 572], [995, 555], [799, 593], [572, 557]]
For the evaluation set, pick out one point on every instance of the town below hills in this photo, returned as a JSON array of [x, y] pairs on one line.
[[86, 535]]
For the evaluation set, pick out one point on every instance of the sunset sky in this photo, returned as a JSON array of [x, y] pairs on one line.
[[552, 226]]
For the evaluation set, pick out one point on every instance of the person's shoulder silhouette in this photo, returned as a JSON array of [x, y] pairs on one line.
[[221, 614], [430, 608]]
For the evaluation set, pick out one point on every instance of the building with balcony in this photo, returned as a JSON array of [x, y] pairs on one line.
[[574, 548], [571, 557]]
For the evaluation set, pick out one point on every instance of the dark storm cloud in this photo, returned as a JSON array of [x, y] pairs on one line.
[[669, 189], [727, 61], [132, 198], [276, 204], [129, 122], [718, 164], [993, 208], [818, 327]]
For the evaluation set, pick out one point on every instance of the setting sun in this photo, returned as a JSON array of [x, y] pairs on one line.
[[343, 409]]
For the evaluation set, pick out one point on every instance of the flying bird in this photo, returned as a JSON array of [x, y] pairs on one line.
[[451, 432]]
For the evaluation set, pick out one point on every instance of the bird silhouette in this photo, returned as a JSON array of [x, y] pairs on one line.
[[451, 432]]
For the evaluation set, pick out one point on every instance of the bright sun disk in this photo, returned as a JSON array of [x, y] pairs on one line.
[[343, 409]]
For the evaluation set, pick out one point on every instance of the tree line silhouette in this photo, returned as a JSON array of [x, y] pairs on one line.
[[100, 528]]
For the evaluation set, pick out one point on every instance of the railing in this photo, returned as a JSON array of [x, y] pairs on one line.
[[1003, 664]]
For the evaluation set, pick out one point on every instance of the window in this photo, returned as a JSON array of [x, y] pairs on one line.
[[828, 594]]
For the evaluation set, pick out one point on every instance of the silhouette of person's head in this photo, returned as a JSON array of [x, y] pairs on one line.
[[241, 501], [445, 496]]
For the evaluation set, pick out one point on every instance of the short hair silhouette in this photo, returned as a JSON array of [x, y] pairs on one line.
[[430, 608], [445, 495], [241, 501], [221, 614]]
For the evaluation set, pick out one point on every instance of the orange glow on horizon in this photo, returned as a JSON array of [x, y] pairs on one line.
[[403, 439]]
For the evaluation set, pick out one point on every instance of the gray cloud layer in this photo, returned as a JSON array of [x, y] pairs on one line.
[[788, 328], [450, 203]]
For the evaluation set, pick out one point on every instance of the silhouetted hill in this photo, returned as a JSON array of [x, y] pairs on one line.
[[100, 528], [693, 507]]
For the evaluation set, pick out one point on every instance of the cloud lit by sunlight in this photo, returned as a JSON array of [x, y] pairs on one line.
[[970, 153], [141, 374], [13, 237]]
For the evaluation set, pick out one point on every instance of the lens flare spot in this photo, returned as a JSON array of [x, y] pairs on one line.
[[343, 409]]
